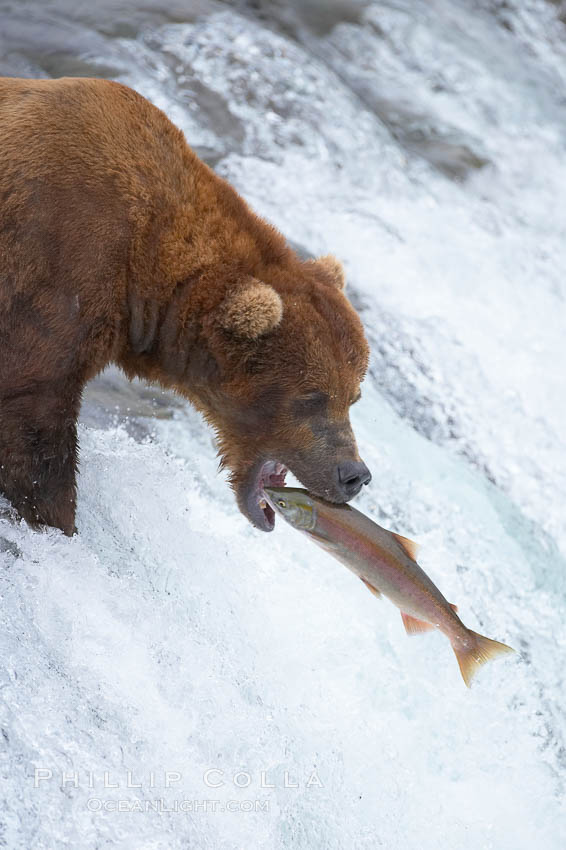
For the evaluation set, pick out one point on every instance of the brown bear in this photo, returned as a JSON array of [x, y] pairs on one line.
[[118, 245]]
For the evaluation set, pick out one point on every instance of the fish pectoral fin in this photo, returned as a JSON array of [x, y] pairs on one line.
[[328, 545], [414, 626], [373, 589], [410, 547]]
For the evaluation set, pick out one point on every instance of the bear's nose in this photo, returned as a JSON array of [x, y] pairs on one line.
[[352, 475]]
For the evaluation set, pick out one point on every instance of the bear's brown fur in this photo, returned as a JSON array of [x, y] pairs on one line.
[[117, 244]]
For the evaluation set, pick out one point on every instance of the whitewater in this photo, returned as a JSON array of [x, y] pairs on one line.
[[170, 677]]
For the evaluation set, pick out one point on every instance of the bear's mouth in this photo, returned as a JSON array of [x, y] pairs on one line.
[[258, 510]]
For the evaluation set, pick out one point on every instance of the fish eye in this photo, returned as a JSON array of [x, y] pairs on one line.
[[282, 503]]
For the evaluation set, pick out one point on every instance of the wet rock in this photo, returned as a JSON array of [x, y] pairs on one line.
[[263, 95], [320, 16], [7, 547], [449, 151], [372, 71], [409, 375], [111, 399]]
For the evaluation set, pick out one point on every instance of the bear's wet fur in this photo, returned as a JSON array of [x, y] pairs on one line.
[[118, 245]]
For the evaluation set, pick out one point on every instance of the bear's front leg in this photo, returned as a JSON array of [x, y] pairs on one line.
[[38, 455]]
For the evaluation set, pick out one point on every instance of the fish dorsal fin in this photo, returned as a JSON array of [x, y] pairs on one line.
[[373, 589], [410, 547]]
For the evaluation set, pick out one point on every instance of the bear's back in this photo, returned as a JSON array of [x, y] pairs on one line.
[[91, 130]]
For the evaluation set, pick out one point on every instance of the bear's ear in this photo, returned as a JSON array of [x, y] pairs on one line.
[[333, 270], [253, 310]]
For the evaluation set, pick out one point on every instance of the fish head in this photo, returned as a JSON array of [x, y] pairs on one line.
[[293, 504]]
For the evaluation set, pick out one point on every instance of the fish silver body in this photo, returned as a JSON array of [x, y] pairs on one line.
[[386, 563]]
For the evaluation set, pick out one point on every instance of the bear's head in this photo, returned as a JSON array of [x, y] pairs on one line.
[[289, 357]]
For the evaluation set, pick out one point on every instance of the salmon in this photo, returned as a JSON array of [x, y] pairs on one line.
[[386, 563]]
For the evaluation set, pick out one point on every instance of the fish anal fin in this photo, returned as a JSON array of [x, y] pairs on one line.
[[410, 547], [413, 626], [373, 589]]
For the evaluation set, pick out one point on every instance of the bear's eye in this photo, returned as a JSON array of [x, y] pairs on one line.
[[310, 404]]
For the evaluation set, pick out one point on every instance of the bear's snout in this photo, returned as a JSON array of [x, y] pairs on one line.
[[352, 475]]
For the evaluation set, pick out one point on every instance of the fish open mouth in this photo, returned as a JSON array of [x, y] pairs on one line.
[[256, 506]]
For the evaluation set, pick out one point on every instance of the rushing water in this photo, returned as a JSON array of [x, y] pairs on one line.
[[424, 144]]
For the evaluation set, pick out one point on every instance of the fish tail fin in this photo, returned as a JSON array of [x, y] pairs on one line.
[[476, 653]]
